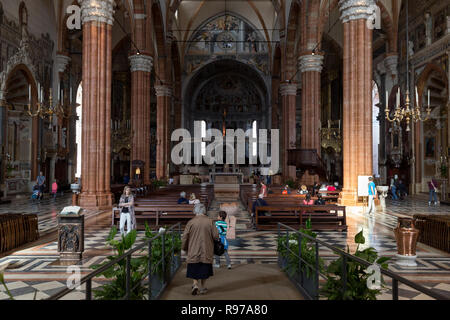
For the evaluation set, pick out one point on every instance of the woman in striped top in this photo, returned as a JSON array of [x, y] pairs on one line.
[[222, 226]]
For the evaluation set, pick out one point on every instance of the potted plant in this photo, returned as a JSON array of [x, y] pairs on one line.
[[290, 261], [356, 287]]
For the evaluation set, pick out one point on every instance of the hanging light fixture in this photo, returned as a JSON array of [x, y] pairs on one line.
[[405, 112]]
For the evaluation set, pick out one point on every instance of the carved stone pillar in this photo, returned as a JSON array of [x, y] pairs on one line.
[[164, 96], [141, 67], [97, 20], [61, 62], [310, 66], [357, 78], [288, 136]]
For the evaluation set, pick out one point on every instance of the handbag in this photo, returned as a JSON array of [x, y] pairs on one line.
[[219, 248]]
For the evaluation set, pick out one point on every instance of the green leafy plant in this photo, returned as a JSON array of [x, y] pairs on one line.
[[356, 286], [116, 288], [291, 184], [197, 180], [158, 183], [308, 252]]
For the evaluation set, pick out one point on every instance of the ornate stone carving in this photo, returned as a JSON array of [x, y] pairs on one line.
[[61, 62], [163, 91], [287, 89], [356, 9], [94, 10], [140, 62], [391, 63], [21, 57], [310, 62]]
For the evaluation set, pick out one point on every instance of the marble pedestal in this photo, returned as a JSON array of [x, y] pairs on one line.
[[406, 261]]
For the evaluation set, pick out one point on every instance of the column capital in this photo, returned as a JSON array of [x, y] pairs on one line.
[[356, 9], [96, 10], [61, 62], [163, 91], [288, 89], [141, 62], [310, 62]]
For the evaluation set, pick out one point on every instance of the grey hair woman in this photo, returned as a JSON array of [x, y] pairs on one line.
[[126, 205], [198, 243]]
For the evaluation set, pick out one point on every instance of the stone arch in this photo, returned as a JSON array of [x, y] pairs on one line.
[[20, 60], [158, 27], [425, 74]]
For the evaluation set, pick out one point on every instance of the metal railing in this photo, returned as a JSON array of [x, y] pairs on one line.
[[173, 231], [310, 287]]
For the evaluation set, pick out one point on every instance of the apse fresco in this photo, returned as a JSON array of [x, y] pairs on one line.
[[227, 37]]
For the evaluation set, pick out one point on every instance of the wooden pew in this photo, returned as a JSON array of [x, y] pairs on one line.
[[324, 217]]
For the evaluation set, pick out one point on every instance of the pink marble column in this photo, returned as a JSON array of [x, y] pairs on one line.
[[357, 78], [310, 66], [164, 96], [97, 19], [288, 136], [141, 66]]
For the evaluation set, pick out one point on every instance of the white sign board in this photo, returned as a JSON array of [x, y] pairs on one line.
[[363, 186]]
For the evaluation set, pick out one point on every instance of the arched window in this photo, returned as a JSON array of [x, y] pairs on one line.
[[78, 131], [255, 136], [203, 130]]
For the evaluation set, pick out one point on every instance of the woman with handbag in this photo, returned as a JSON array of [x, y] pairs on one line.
[[198, 242], [126, 205]]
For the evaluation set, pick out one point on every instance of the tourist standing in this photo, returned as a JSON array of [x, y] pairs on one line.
[[126, 204], [198, 243], [222, 227], [394, 186], [40, 181], [372, 195], [263, 190], [54, 189], [432, 186]]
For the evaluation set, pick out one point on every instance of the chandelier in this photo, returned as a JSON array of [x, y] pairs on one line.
[[406, 112], [47, 110]]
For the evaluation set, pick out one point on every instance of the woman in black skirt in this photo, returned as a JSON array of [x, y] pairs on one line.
[[198, 242]]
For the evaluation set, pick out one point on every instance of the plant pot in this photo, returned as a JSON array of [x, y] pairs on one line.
[[406, 235]]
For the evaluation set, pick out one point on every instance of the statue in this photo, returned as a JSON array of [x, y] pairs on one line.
[[428, 28]]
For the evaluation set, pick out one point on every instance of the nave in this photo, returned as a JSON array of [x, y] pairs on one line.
[[253, 256]]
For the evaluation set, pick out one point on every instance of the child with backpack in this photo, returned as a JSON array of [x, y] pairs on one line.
[[222, 226]]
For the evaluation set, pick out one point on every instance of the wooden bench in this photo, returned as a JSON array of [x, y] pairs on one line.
[[158, 214], [17, 229], [324, 217]]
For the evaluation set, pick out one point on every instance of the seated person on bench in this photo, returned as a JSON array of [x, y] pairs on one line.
[[320, 201], [260, 202], [183, 198], [286, 190], [308, 201], [303, 190], [193, 199]]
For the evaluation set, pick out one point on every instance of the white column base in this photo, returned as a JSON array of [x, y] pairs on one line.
[[406, 261]]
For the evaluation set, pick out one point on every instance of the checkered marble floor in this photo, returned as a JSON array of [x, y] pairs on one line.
[[38, 267], [46, 210]]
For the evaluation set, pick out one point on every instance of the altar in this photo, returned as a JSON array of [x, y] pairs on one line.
[[226, 178], [226, 184]]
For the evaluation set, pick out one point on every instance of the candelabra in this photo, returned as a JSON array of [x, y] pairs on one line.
[[49, 110], [406, 113]]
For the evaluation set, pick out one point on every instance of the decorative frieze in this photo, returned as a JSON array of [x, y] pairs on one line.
[[141, 62], [310, 62], [96, 10], [163, 91], [288, 89], [356, 9]]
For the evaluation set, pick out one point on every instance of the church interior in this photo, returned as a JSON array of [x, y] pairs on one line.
[[340, 113]]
